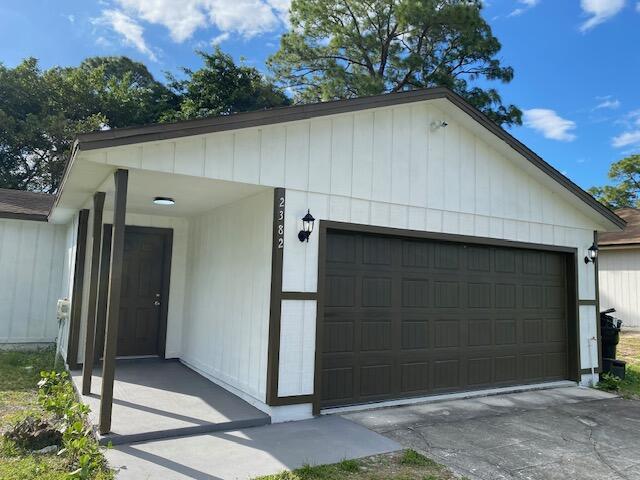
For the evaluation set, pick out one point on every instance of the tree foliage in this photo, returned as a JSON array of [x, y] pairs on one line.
[[350, 48], [221, 87], [625, 192], [41, 112]]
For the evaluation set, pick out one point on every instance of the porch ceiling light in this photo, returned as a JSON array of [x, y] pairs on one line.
[[307, 227], [592, 254], [164, 201]]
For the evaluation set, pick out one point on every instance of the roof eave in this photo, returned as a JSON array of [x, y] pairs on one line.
[[157, 132]]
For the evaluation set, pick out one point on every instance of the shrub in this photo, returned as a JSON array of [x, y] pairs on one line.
[[609, 382], [57, 396]]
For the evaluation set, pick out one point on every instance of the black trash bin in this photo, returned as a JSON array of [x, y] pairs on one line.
[[610, 337]]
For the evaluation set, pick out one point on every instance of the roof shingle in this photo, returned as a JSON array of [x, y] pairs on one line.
[[25, 205], [630, 234]]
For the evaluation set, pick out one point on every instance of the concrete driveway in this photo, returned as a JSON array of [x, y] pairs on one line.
[[564, 433]]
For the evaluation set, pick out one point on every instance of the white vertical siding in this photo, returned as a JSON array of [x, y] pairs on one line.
[[297, 347], [619, 277], [226, 320], [32, 260]]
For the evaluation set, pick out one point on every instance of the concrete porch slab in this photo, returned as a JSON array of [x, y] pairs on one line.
[[156, 399], [248, 453]]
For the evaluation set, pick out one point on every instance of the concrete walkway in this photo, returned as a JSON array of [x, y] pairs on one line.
[[564, 433], [248, 453], [155, 399]]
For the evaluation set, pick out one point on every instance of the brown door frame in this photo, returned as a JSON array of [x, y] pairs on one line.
[[571, 255], [167, 234]]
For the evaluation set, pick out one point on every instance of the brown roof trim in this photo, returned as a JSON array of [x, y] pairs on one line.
[[24, 216], [164, 131]]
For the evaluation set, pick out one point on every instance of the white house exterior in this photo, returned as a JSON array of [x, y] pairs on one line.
[[619, 270], [446, 256]]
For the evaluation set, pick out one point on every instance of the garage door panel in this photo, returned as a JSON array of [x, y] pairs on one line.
[[415, 293], [414, 317], [341, 291], [416, 255], [376, 292], [376, 250], [375, 335], [414, 377]]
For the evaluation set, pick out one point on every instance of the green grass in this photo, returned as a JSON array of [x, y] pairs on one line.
[[19, 375], [406, 465], [629, 351]]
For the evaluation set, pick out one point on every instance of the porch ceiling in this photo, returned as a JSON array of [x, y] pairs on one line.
[[193, 195]]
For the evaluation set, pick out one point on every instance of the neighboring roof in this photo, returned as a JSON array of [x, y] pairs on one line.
[[164, 131], [24, 205], [631, 233]]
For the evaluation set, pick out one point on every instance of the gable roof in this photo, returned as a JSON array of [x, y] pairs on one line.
[[631, 233], [24, 205], [164, 131]]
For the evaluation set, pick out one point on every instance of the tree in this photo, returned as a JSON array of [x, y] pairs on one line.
[[626, 190], [41, 112], [221, 87], [350, 48], [126, 92]]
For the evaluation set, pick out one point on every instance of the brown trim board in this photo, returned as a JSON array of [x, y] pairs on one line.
[[299, 296], [156, 132], [121, 178], [588, 303], [572, 285], [78, 287], [34, 217], [597, 280], [89, 344], [275, 310]]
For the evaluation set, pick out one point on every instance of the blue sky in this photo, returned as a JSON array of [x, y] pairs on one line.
[[577, 62]]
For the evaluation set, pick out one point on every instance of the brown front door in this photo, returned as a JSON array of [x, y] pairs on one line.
[[410, 317], [145, 288]]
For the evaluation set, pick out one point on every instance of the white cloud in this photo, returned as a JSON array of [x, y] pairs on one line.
[[244, 17], [217, 40], [638, 7], [607, 102], [550, 124], [600, 11], [128, 28], [627, 139], [526, 5]]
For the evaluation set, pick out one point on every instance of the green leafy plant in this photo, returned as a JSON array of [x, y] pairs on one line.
[[609, 382], [57, 396]]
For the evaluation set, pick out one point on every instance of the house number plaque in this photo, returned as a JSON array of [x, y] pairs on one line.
[[279, 217]]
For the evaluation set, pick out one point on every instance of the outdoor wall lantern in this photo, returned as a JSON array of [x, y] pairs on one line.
[[307, 227], [164, 201], [592, 254]]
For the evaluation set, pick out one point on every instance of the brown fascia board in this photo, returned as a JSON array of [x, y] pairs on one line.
[[165, 131], [34, 217]]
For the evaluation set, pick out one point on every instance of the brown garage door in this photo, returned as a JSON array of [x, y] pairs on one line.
[[410, 317]]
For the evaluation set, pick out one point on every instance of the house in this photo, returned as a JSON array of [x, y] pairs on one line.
[[619, 269], [31, 266], [445, 255]]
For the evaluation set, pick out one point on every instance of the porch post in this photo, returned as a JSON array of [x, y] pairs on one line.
[[76, 295], [89, 344], [113, 303]]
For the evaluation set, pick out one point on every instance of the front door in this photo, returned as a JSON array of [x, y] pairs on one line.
[[145, 288]]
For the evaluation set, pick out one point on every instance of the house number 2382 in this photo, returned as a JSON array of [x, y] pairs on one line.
[[280, 220]]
